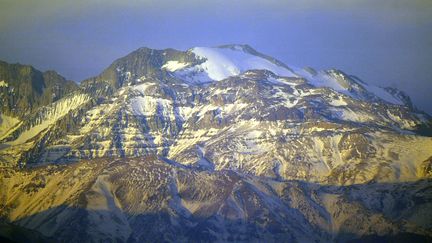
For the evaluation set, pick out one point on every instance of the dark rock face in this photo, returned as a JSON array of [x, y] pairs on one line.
[[28, 89], [135, 68], [355, 146]]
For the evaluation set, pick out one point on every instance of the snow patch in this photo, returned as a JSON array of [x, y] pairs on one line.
[[149, 106], [287, 100], [174, 65], [281, 81], [350, 115], [322, 79], [382, 94], [142, 88], [339, 101]]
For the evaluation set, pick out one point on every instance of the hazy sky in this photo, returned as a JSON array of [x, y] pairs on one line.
[[388, 43]]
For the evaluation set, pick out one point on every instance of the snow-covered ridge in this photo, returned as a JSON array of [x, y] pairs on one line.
[[220, 63], [339, 82], [383, 94]]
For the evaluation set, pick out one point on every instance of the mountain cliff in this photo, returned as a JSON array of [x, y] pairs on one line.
[[23, 89]]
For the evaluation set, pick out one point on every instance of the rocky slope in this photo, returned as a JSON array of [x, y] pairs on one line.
[[235, 137], [149, 200]]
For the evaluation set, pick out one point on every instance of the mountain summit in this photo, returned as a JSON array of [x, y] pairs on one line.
[[213, 144]]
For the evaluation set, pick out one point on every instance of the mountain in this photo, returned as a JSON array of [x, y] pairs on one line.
[[24, 89], [215, 144]]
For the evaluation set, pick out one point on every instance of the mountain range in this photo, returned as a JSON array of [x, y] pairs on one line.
[[211, 144]]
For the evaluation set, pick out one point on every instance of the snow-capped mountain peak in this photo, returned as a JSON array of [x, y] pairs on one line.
[[218, 63], [221, 62]]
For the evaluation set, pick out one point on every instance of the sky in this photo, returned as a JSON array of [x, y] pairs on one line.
[[387, 43]]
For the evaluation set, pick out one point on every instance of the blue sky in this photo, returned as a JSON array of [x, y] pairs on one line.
[[387, 43]]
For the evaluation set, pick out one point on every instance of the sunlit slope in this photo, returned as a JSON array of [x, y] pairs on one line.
[[147, 199]]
